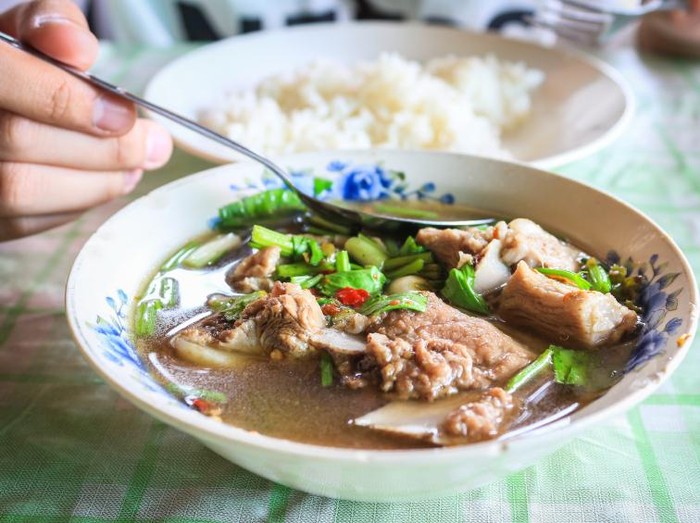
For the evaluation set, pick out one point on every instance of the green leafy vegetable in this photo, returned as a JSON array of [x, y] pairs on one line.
[[321, 185], [410, 247], [403, 300], [209, 252], [571, 367], [232, 306], [543, 361], [372, 280], [573, 277], [273, 202], [459, 289]]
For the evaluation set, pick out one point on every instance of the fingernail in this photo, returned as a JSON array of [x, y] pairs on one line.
[[158, 147], [110, 116], [131, 180], [51, 18]]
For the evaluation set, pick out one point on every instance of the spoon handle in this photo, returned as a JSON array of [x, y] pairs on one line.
[[157, 109]]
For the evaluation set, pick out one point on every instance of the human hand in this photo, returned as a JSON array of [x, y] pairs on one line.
[[65, 146]]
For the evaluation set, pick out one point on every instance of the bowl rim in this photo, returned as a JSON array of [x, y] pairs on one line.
[[196, 424], [558, 48]]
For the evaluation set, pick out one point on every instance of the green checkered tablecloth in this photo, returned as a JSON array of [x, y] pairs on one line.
[[72, 450]]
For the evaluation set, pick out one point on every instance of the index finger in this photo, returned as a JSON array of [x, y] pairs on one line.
[[40, 91]]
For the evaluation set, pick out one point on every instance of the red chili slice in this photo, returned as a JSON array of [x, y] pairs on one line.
[[201, 405], [352, 297]]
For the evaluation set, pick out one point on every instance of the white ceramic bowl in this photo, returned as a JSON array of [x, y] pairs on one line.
[[118, 258], [564, 125]]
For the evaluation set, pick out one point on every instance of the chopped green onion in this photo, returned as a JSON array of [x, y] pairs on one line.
[[146, 315], [273, 202], [211, 251], [410, 268], [342, 261], [459, 289], [290, 270], [326, 370], [525, 374], [316, 253], [372, 280], [261, 237], [181, 391], [328, 225], [573, 277], [404, 211], [399, 261], [169, 292], [403, 300], [598, 277], [232, 306], [366, 251], [174, 261], [570, 366], [306, 282], [432, 271]]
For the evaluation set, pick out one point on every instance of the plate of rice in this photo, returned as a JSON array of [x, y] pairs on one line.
[[394, 86]]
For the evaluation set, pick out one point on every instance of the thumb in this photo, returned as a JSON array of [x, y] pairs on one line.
[[55, 27]]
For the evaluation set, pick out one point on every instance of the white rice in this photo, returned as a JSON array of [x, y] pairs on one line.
[[449, 103]]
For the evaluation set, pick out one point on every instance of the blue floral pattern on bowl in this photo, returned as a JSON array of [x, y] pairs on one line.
[[352, 182], [656, 304]]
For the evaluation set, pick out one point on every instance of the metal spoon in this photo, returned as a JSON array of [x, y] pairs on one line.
[[328, 210]]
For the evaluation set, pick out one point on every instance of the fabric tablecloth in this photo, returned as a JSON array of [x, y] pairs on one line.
[[72, 450]]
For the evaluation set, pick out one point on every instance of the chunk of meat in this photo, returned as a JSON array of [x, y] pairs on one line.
[[441, 351], [527, 241], [447, 244], [254, 272], [480, 419], [350, 322], [562, 312], [282, 321], [426, 370]]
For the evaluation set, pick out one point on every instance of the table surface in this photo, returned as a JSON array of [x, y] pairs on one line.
[[72, 450]]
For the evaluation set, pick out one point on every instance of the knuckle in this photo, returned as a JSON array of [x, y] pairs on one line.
[[126, 152], [59, 101], [12, 228], [15, 135], [16, 188]]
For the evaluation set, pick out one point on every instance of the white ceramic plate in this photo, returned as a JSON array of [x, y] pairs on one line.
[[116, 261], [582, 105]]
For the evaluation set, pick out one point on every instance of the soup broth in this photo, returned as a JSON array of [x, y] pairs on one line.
[[278, 394]]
